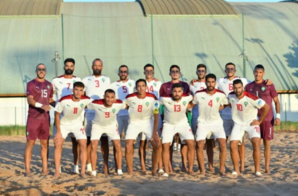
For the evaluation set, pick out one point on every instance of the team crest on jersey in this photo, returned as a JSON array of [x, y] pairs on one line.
[[82, 105], [48, 86], [217, 99], [245, 103], [114, 110], [154, 84], [184, 103], [129, 84], [103, 80], [263, 88], [147, 103]]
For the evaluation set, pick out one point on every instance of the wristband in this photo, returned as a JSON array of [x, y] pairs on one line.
[[277, 115], [38, 105]]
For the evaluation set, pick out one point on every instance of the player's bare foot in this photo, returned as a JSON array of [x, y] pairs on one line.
[[191, 173], [143, 173], [203, 172], [57, 175], [183, 169], [242, 169], [83, 175], [267, 171], [45, 173], [28, 174], [211, 169], [154, 174]]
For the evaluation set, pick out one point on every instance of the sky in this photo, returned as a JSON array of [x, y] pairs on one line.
[[134, 0]]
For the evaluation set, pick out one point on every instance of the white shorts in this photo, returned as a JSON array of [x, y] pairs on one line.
[[78, 130], [206, 131], [228, 126], [135, 128], [239, 131], [169, 131], [159, 128], [111, 131], [122, 123]]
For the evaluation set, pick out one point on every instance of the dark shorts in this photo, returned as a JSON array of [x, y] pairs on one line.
[[37, 129], [267, 130]]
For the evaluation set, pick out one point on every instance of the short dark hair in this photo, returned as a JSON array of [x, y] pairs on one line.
[[78, 84], [123, 66], [211, 75], [109, 91], [259, 66], [230, 63], [141, 80], [97, 59], [69, 60], [177, 85], [238, 81], [148, 65], [174, 66], [201, 65]]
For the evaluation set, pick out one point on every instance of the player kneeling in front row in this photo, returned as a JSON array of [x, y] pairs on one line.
[[141, 107], [175, 121], [105, 121], [244, 114], [210, 100], [71, 107]]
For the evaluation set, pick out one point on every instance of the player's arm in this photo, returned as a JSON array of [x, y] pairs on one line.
[[155, 138], [265, 111], [277, 108], [32, 102], [58, 136], [190, 105], [224, 106], [52, 102]]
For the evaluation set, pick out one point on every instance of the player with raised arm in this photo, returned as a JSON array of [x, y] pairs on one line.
[[62, 87], [165, 90], [141, 107], [95, 86], [175, 121], [105, 121], [244, 114], [123, 87], [268, 94], [209, 121], [71, 107], [39, 98]]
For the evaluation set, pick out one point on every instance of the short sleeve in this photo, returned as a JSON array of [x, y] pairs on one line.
[[195, 99], [224, 100], [273, 92], [90, 106], [52, 91], [30, 89], [258, 103], [59, 107]]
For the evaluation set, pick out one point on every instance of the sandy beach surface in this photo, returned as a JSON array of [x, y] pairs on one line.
[[283, 179]]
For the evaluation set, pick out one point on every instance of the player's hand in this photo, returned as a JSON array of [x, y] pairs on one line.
[[221, 107], [192, 81], [277, 122], [255, 122], [58, 138], [268, 82], [46, 107], [155, 140]]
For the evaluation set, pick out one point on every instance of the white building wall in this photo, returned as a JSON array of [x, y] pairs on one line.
[[14, 111]]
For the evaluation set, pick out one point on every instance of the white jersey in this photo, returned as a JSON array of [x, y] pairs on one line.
[[106, 116], [245, 110], [95, 88], [141, 109], [197, 86], [72, 111], [153, 87], [122, 89], [174, 113], [209, 106], [226, 85], [63, 86]]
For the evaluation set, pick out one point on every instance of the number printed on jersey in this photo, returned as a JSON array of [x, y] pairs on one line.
[[124, 88], [97, 83], [177, 108], [107, 114], [140, 108], [44, 93], [239, 107], [210, 103], [230, 87], [150, 89]]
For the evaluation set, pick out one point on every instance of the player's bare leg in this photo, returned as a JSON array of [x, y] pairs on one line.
[[104, 147], [142, 154], [157, 150], [76, 153], [129, 155], [256, 153], [184, 152], [115, 160], [44, 156], [200, 155], [171, 151], [235, 154], [94, 145], [190, 155], [242, 155], [118, 156], [57, 157], [267, 154], [222, 155], [209, 150], [166, 156], [27, 156], [89, 167], [83, 156], [160, 165]]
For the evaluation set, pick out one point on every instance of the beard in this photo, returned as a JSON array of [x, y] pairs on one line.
[[123, 77], [68, 71], [96, 72], [210, 88]]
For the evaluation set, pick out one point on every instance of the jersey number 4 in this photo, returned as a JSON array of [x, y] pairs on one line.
[[210, 103], [150, 90], [177, 108]]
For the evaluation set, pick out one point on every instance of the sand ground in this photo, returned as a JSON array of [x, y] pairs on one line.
[[283, 179]]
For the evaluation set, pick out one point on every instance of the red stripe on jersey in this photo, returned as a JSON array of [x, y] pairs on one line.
[[151, 95], [136, 95], [63, 76], [168, 96], [131, 95], [118, 101], [65, 97], [185, 94], [201, 91], [85, 97], [232, 93], [98, 101], [245, 93], [219, 91]]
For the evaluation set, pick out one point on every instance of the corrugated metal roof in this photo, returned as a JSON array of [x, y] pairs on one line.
[[187, 7], [30, 7]]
